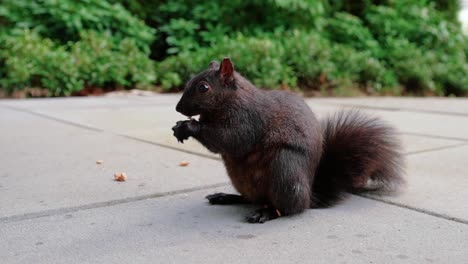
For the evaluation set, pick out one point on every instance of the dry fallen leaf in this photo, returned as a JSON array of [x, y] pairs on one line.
[[184, 163], [99, 161], [120, 176]]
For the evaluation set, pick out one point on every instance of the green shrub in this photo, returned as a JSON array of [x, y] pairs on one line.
[[275, 61], [378, 46], [413, 67], [347, 29], [63, 20], [94, 60], [424, 50], [186, 25], [259, 59], [31, 61], [102, 60], [308, 54]]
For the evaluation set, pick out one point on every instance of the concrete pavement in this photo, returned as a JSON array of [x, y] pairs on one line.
[[58, 206]]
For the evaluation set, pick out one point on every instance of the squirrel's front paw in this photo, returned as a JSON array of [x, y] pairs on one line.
[[184, 129], [225, 198], [180, 131]]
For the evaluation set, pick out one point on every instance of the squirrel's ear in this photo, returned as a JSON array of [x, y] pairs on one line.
[[214, 65], [226, 69]]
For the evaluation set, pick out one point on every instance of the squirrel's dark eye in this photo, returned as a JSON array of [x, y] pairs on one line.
[[203, 87]]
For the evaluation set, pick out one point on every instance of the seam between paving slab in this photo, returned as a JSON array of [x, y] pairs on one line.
[[436, 149], [33, 112], [95, 129], [348, 105], [393, 109], [433, 136], [63, 121], [58, 211], [170, 147], [51, 212], [444, 216], [211, 156]]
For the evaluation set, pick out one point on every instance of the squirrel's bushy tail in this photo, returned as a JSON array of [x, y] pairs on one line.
[[360, 154]]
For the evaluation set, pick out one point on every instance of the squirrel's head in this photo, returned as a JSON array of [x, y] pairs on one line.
[[206, 92]]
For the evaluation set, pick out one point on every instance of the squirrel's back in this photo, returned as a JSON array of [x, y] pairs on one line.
[[293, 123]]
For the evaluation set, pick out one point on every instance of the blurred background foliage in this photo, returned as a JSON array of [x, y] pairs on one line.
[[326, 47]]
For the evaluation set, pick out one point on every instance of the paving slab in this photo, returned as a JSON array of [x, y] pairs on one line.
[[48, 165], [153, 123], [58, 206], [437, 183], [438, 105], [185, 229]]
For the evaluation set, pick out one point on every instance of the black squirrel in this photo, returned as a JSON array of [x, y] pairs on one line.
[[277, 153]]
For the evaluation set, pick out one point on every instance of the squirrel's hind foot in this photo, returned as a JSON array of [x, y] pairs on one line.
[[262, 215]]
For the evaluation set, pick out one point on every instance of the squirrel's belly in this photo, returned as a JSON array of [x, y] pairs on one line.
[[249, 176]]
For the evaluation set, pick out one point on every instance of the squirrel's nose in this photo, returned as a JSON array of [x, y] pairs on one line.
[[178, 108]]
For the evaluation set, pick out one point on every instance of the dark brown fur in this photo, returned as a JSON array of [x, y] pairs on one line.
[[275, 150]]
